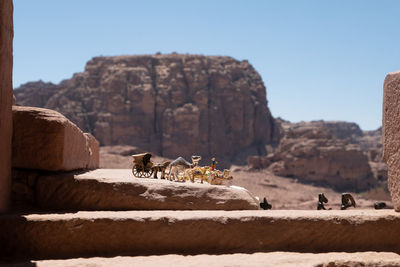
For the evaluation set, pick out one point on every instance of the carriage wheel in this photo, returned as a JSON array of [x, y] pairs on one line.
[[147, 174], [136, 173]]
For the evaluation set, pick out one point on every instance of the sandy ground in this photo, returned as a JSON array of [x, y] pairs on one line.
[[281, 192], [288, 193]]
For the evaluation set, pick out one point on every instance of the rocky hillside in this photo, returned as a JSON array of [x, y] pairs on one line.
[[172, 105], [335, 154]]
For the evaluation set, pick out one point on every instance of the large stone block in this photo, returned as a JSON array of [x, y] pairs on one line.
[[112, 233], [44, 139], [117, 189], [391, 134], [6, 96]]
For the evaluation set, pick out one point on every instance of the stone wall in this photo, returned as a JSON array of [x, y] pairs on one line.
[[6, 96]]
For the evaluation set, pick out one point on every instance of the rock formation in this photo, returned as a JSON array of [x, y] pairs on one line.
[[320, 152], [168, 104], [391, 134], [38, 93], [6, 96], [371, 143]]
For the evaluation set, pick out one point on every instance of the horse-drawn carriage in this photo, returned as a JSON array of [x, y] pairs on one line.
[[144, 168], [142, 165]]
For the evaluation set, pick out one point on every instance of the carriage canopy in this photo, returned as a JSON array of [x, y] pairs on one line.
[[143, 158]]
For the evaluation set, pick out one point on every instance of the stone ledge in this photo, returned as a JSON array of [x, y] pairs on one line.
[[118, 189], [88, 234], [256, 259]]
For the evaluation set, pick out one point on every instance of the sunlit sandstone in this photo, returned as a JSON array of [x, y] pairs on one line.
[[391, 134]]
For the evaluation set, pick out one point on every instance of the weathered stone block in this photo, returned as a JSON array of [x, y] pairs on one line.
[[44, 139], [94, 151], [117, 189], [112, 233], [391, 134]]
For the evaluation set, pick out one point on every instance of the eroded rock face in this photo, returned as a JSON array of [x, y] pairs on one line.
[[371, 143], [172, 105], [320, 152], [391, 134], [37, 92], [6, 96], [44, 139]]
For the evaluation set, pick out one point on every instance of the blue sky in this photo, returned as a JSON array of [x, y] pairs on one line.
[[318, 59]]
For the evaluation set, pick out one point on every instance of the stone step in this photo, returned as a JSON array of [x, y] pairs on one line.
[[239, 259], [118, 189], [110, 233]]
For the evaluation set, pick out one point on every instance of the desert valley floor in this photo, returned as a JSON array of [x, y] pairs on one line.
[[281, 192]]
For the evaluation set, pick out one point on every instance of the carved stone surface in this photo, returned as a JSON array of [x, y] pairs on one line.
[[44, 139], [23, 197], [6, 98], [171, 105], [113, 189], [391, 134], [112, 233]]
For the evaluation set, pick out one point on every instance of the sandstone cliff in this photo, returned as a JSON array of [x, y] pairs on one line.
[[35, 93], [173, 105], [335, 154]]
